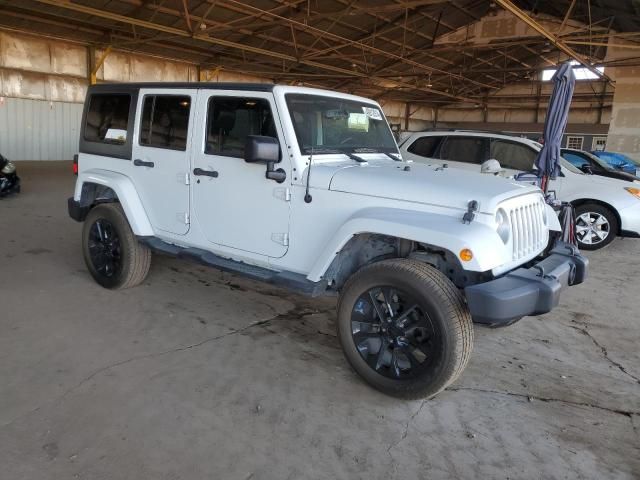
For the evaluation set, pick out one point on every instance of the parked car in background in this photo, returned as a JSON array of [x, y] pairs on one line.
[[9, 180], [605, 207], [590, 164], [619, 161]]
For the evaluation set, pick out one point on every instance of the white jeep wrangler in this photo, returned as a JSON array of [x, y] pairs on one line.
[[306, 189]]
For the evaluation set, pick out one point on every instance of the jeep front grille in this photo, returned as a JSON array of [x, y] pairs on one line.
[[528, 229]]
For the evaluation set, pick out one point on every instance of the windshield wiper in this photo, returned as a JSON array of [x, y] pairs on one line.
[[320, 151], [353, 156], [375, 150]]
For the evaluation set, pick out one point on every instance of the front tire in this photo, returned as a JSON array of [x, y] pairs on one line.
[[405, 328], [596, 226], [112, 253]]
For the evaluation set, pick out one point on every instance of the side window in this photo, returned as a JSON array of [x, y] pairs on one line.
[[513, 155], [165, 121], [231, 119], [574, 159], [464, 149], [425, 146], [107, 119]]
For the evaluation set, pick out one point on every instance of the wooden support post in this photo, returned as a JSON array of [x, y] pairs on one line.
[[538, 92], [601, 106], [94, 71], [407, 114]]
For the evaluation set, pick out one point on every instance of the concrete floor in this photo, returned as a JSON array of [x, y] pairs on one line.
[[199, 374]]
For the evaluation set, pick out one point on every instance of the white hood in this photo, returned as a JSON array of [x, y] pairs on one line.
[[444, 187]]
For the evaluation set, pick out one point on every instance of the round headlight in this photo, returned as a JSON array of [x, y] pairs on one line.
[[503, 228]]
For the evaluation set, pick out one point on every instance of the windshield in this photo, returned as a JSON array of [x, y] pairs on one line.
[[333, 125], [564, 163], [617, 159], [604, 165]]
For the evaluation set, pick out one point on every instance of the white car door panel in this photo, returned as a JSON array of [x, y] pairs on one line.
[[235, 205], [161, 147]]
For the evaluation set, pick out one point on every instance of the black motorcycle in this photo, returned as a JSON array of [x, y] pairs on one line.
[[9, 179]]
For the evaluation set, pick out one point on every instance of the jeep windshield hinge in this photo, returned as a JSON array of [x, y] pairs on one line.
[[281, 238]]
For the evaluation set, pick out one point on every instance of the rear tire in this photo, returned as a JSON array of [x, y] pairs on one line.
[[114, 257], [405, 328], [596, 226]]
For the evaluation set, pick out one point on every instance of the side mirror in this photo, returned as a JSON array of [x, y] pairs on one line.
[[586, 168], [261, 149]]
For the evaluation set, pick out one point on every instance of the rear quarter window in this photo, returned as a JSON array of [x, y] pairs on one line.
[[107, 122], [108, 119]]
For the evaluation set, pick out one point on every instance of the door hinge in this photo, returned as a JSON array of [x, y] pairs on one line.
[[184, 178], [183, 217], [282, 193], [281, 238]]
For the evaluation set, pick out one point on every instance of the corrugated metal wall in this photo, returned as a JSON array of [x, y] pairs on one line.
[[39, 129]]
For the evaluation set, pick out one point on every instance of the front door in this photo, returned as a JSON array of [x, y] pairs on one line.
[[234, 204], [161, 156], [464, 152]]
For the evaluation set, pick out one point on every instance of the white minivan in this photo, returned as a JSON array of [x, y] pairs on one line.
[[605, 207]]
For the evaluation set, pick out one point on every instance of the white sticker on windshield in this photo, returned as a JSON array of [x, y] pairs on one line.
[[372, 113], [358, 121]]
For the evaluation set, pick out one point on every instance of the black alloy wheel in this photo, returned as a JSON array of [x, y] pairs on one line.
[[113, 255], [404, 327], [104, 248], [393, 334]]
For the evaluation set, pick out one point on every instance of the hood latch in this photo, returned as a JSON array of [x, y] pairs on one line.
[[472, 208]]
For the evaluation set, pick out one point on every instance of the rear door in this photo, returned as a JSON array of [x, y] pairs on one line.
[[161, 156]]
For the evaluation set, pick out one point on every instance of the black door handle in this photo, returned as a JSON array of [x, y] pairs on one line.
[[206, 173], [141, 163]]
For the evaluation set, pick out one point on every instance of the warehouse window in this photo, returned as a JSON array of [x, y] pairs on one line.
[[165, 121], [575, 142], [107, 119], [599, 144]]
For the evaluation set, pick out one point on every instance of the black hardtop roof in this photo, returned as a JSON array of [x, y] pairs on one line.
[[249, 87]]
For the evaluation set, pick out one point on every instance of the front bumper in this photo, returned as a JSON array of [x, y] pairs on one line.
[[630, 221], [527, 291]]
